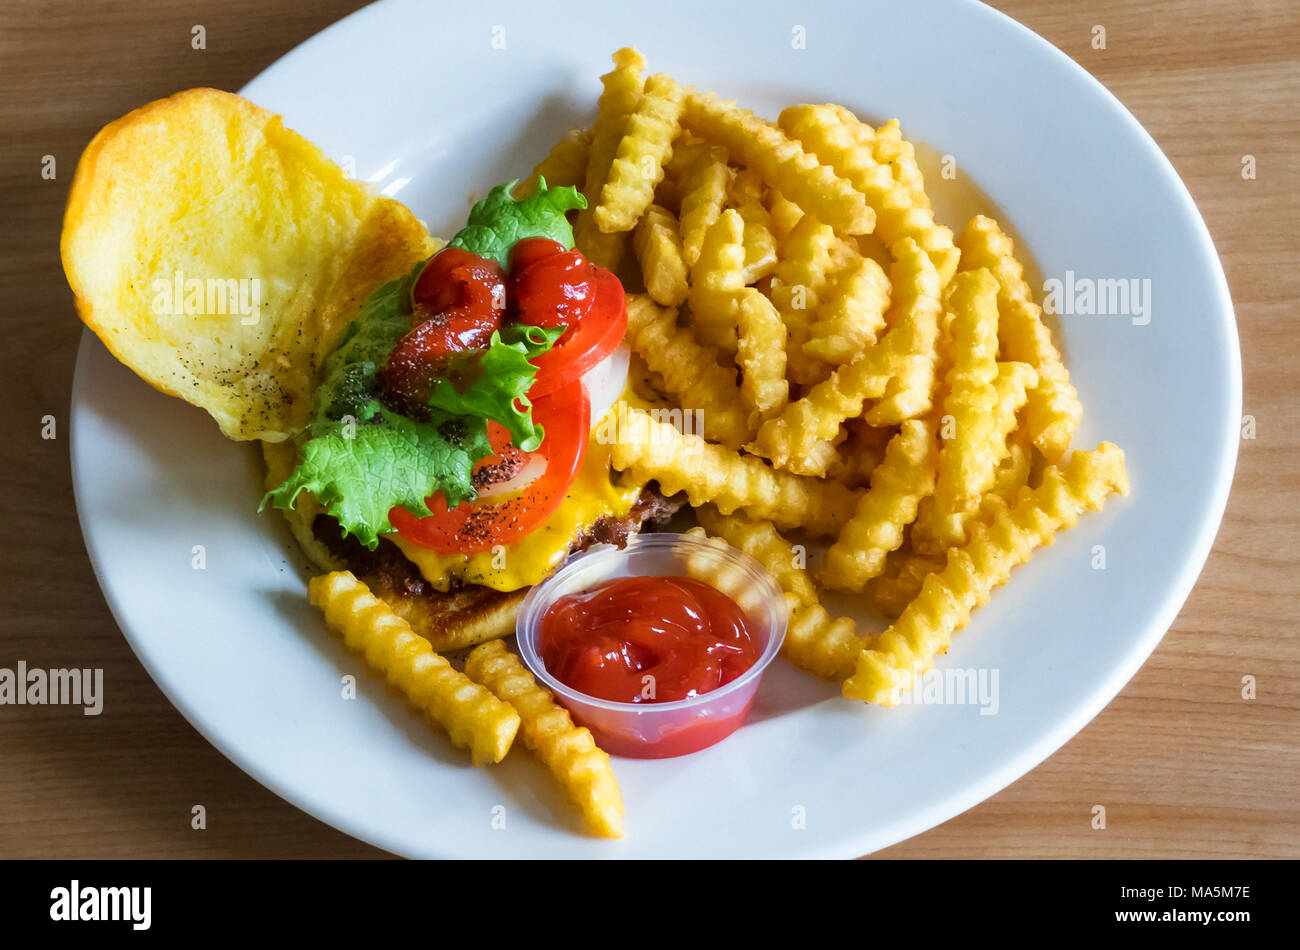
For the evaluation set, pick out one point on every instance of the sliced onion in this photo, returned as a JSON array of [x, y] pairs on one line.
[[606, 381], [533, 468]]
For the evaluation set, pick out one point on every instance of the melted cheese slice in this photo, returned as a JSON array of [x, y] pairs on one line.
[[533, 557]]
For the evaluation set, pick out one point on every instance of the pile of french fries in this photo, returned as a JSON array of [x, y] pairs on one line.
[[861, 377]]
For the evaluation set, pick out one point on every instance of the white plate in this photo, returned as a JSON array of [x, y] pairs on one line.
[[416, 94]]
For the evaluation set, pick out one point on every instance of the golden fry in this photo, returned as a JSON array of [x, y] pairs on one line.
[[909, 347], [781, 161], [639, 163], [761, 356], [900, 582], [1012, 472], [821, 644], [854, 315], [712, 473], [782, 213], [687, 369], [704, 191], [897, 487], [565, 164], [473, 717], [1054, 409], [621, 93], [889, 147], [746, 196], [761, 541], [717, 279], [924, 630], [569, 751], [658, 247], [820, 129]]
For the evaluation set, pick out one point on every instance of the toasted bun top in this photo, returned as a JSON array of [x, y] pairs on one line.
[[219, 255]]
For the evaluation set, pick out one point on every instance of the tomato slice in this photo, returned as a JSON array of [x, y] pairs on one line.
[[581, 347], [482, 524]]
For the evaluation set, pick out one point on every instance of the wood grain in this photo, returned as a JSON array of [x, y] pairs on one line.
[[1184, 765]]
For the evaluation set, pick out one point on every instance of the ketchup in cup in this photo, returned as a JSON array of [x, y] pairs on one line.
[[646, 640], [657, 663]]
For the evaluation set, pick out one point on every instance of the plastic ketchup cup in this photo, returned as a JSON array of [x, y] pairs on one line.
[[652, 730]]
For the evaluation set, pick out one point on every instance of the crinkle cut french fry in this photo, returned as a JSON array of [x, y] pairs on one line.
[[965, 461], [569, 751], [1054, 409], [814, 641], [820, 129], [646, 389], [639, 163], [690, 371], [760, 540], [760, 354], [717, 280], [473, 717], [658, 247], [819, 643], [899, 370], [802, 278], [781, 161], [853, 316], [1013, 471], [858, 455], [979, 412], [925, 628], [782, 213], [906, 571], [565, 164], [890, 148], [910, 344], [704, 191], [900, 582], [974, 465], [897, 486], [712, 473], [746, 196], [621, 93]]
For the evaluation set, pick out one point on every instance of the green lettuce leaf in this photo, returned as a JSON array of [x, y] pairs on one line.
[[360, 471], [498, 221], [501, 391], [349, 380]]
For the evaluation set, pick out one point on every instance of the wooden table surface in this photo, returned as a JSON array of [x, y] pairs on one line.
[[1183, 764]]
